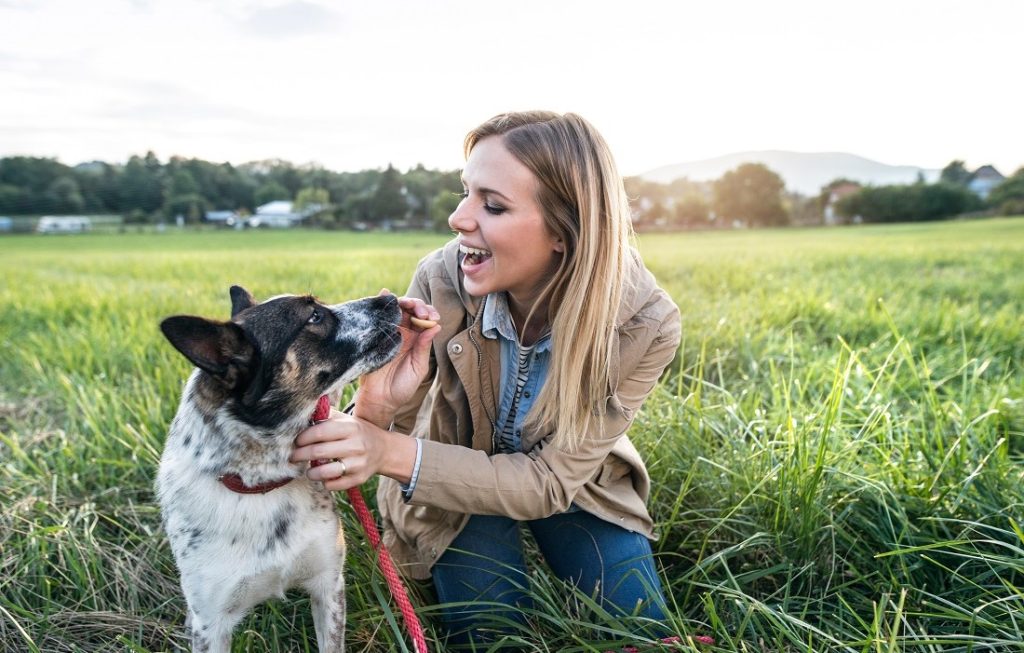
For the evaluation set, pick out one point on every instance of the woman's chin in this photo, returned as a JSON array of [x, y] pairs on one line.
[[474, 288]]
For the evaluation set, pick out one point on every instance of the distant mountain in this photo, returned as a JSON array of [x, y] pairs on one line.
[[803, 172]]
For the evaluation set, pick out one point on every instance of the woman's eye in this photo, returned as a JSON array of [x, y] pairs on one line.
[[316, 317], [493, 209]]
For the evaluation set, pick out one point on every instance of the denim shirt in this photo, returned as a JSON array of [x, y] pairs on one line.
[[497, 324]]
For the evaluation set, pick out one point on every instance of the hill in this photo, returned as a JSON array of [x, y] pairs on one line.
[[803, 172]]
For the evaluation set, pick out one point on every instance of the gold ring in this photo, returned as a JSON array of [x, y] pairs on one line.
[[344, 467]]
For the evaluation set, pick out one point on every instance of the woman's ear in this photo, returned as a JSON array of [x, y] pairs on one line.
[[559, 246]]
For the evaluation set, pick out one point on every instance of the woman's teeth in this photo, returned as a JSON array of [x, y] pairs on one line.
[[472, 255]]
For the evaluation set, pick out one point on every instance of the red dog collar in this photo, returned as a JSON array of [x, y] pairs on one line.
[[234, 482]]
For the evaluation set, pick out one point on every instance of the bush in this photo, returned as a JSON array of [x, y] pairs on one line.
[[908, 203]]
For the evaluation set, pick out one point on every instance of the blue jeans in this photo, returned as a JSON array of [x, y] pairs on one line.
[[485, 570]]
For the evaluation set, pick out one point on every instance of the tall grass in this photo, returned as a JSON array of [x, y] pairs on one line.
[[836, 453]]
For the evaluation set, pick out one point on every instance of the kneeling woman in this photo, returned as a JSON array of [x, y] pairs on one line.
[[552, 333]]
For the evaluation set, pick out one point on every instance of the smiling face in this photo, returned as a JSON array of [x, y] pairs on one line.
[[505, 243]]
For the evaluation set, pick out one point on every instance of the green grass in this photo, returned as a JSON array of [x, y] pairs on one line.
[[836, 454]]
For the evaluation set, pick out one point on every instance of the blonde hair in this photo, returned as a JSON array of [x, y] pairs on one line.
[[584, 203]]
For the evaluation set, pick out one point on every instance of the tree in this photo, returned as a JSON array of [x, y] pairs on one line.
[[1008, 197], [804, 210], [34, 174], [270, 192], [388, 201], [191, 206], [64, 196], [423, 186], [141, 184], [908, 203], [356, 208], [182, 195], [442, 207], [752, 193], [30, 185], [316, 197], [99, 184], [955, 173], [14, 200], [691, 211]]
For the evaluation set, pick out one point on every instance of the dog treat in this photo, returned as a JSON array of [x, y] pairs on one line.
[[423, 324]]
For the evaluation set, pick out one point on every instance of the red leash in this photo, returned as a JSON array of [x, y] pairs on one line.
[[355, 496]]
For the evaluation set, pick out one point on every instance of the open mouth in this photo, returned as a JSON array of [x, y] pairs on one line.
[[471, 256]]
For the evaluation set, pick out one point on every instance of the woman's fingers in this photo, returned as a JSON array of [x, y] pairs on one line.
[[336, 468], [342, 442], [327, 437], [353, 469], [418, 308], [343, 483]]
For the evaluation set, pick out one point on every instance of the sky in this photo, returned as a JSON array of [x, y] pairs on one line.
[[355, 85]]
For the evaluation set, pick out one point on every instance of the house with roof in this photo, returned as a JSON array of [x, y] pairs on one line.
[[281, 214], [63, 224], [983, 180], [836, 193]]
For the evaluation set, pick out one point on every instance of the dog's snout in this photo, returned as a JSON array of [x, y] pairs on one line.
[[388, 300], [387, 306]]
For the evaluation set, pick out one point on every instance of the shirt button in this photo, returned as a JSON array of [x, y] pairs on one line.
[[433, 553], [527, 394], [456, 348]]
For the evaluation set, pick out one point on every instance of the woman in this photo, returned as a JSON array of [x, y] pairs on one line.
[[551, 334]]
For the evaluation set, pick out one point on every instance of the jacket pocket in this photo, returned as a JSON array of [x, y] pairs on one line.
[[612, 470]]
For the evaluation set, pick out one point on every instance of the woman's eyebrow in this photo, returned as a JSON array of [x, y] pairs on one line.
[[487, 191], [491, 191]]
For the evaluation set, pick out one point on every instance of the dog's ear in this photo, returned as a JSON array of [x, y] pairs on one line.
[[219, 348], [241, 299]]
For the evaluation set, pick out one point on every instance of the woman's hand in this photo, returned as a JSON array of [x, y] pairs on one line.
[[356, 450], [383, 392]]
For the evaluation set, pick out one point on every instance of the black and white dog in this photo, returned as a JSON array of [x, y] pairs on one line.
[[245, 524]]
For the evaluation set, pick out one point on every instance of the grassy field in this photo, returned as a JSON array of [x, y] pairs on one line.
[[837, 453]]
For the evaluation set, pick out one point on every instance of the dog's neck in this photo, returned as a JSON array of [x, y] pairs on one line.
[[207, 429]]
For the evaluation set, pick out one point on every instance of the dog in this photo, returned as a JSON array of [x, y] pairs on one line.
[[245, 524]]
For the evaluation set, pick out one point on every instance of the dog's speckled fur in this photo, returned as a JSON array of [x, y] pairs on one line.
[[257, 382]]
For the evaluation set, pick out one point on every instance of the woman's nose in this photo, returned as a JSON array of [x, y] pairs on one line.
[[460, 220]]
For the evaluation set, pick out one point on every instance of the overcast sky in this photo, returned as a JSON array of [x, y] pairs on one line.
[[354, 85]]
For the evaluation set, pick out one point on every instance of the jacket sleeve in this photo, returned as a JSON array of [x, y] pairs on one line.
[[535, 485]]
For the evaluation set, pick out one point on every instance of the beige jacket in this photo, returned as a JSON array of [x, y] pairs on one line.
[[452, 411]]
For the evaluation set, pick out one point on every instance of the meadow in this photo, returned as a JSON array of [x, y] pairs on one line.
[[837, 453]]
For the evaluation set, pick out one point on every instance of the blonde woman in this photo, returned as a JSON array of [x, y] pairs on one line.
[[514, 409]]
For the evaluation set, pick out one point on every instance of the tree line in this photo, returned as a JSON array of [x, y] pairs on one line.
[[754, 195], [146, 190]]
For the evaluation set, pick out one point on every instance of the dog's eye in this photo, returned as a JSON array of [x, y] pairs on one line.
[[316, 317]]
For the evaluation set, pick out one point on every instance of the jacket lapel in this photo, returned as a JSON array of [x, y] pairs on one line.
[[477, 362]]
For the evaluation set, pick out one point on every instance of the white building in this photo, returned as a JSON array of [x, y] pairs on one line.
[[984, 180], [63, 224], [280, 214]]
